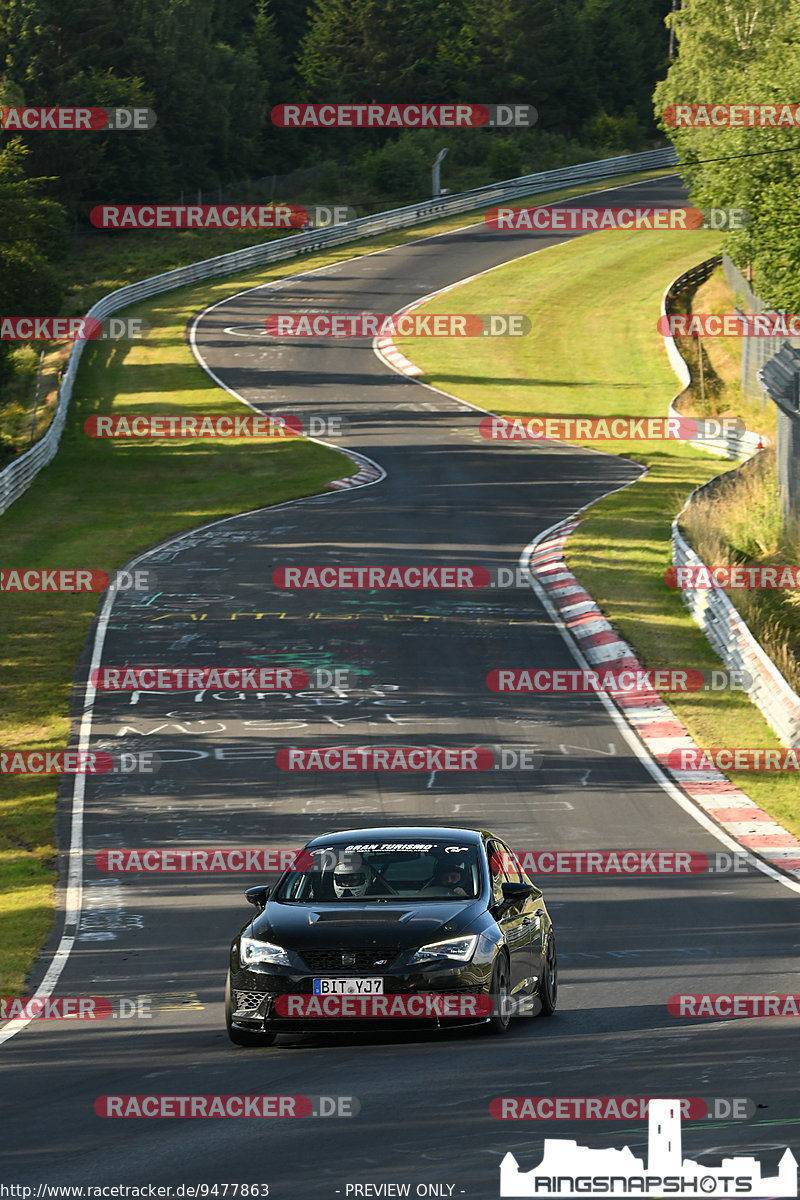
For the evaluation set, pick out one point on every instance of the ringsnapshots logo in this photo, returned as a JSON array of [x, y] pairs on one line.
[[66, 329], [412, 324], [570, 1170], [548, 219], [732, 116], [603, 429], [404, 116], [72, 120]]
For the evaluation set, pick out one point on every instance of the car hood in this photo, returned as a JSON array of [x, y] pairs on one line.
[[403, 926]]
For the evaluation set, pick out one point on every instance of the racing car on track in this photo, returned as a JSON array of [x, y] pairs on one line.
[[439, 921]]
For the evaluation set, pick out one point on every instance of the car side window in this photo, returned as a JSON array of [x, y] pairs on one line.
[[496, 870], [511, 867]]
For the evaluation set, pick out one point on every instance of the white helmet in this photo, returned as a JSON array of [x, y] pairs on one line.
[[350, 879]]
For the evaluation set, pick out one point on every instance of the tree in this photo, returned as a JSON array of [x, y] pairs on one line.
[[740, 52], [33, 233]]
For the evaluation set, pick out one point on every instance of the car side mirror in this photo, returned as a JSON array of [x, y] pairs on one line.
[[258, 895], [516, 891]]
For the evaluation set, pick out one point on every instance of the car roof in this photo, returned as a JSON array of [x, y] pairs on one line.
[[396, 833]]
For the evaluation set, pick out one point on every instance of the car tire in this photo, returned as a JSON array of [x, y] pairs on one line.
[[242, 1037], [500, 985], [548, 987]]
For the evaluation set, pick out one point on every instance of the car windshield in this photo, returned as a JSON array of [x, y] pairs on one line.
[[380, 871]]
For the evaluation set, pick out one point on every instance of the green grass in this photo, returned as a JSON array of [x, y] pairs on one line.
[[101, 502], [594, 351]]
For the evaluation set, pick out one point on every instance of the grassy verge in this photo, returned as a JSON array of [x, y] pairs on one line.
[[99, 503], [594, 351]]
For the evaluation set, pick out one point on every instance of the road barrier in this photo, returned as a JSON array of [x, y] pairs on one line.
[[733, 444], [711, 608], [16, 478]]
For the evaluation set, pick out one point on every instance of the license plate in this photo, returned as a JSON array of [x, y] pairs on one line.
[[348, 987]]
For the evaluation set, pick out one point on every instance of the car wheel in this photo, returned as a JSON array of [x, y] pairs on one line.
[[242, 1037], [548, 988], [501, 1017]]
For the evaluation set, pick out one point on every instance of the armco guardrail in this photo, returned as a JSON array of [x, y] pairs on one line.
[[711, 608], [19, 475], [733, 445], [733, 641]]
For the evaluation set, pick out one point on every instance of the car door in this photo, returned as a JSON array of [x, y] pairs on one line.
[[533, 911], [516, 920]]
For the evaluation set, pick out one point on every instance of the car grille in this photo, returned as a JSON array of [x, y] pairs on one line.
[[246, 1003], [366, 960]]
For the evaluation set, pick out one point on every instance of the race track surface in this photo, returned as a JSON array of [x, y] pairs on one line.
[[448, 498]]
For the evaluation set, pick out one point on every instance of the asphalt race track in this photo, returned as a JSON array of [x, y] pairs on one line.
[[448, 498]]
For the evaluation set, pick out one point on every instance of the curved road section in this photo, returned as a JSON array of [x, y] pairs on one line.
[[156, 944]]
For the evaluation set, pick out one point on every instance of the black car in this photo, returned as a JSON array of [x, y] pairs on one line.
[[441, 922]]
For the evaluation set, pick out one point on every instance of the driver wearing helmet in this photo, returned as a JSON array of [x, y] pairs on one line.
[[351, 879], [450, 880]]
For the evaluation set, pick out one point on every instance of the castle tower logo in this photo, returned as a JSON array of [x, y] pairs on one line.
[[570, 1170]]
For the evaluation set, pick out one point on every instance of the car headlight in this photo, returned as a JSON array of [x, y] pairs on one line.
[[252, 951], [461, 949]]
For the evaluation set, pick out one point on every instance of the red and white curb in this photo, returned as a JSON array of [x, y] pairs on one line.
[[653, 721], [392, 355], [368, 472]]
